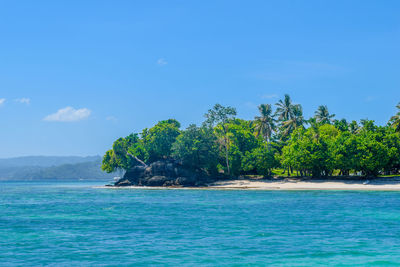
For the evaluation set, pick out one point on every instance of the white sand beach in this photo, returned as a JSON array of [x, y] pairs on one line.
[[384, 184], [388, 184]]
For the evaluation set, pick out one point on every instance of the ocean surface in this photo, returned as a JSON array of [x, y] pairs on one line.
[[74, 224]]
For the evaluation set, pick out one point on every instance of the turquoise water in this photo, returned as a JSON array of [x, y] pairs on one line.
[[70, 224]]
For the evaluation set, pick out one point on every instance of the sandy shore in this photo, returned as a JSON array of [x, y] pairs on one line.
[[386, 184], [295, 184]]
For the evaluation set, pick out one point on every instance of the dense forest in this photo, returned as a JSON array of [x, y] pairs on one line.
[[52, 168], [279, 141]]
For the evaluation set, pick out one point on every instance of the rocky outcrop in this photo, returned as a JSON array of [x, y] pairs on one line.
[[163, 173]]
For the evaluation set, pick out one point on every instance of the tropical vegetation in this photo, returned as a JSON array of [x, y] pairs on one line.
[[279, 142]]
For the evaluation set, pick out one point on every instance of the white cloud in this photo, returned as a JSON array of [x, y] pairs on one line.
[[69, 114], [162, 62], [269, 96], [2, 100], [23, 100]]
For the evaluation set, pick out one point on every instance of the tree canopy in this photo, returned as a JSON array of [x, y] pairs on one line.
[[281, 140]]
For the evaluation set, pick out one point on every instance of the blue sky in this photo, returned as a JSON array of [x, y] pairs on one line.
[[75, 75]]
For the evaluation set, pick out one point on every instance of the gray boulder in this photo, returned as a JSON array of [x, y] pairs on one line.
[[163, 173], [157, 181]]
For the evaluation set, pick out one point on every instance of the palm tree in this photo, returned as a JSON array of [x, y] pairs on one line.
[[395, 120], [265, 123], [322, 115], [296, 120], [284, 109], [354, 128]]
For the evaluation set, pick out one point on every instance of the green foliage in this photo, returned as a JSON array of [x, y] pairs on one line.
[[372, 154], [260, 160], [392, 141], [159, 139], [345, 152], [290, 117], [219, 114], [53, 168], [218, 117], [395, 120], [323, 116], [265, 123], [295, 120], [320, 150], [242, 138], [197, 148], [109, 163], [153, 144], [284, 108], [341, 125], [240, 147], [120, 156], [309, 151]]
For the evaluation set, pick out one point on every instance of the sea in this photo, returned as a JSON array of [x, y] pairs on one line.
[[80, 224]]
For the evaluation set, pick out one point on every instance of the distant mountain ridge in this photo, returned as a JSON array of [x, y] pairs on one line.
[[45, 161], [53, 168]]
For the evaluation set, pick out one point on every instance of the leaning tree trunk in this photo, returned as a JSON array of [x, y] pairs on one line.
[[227, 160], [137, 159]]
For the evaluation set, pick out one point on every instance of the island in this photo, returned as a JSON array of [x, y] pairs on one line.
[[277, 145]]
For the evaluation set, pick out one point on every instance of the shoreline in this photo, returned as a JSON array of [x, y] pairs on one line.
[[289, 184]]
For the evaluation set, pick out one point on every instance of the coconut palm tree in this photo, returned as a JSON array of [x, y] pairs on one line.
[[296, 120], [322, 115], [395, 120], [354, 128], [284, 108], [265, 123]]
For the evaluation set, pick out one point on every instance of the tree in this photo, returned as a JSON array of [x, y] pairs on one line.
[[371, 150], [354, 127], [261, 160], [242, 137], [196, 148], [236, 146], [296, 120], [310, 152], [322, 115], [284, 108], [367, 126], [345, 152], [372, 155], [158, 140], [391, 139], [125, 153], [341, 125], [395, 120], [109, 163], [220, 115], [265, 123]]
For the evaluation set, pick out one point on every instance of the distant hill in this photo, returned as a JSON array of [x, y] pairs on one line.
[[53, 168], [45, 161]]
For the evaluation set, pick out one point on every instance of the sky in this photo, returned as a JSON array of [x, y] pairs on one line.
[[76, 75]]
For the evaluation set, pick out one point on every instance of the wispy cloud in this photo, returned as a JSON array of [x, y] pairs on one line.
[[111, 118], [23, 100], [250, 105], [270, 96], [369, 99], [162, 62], [2, 100], [69, 114], [283, 70]]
